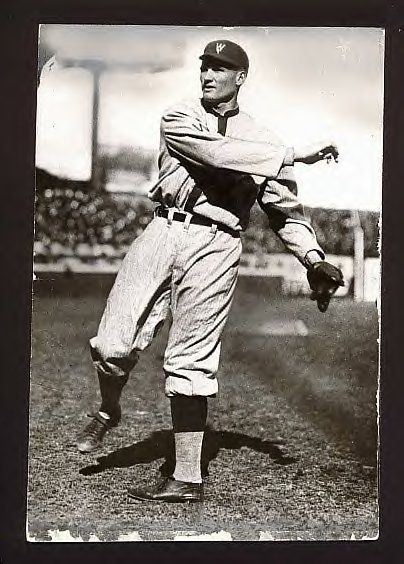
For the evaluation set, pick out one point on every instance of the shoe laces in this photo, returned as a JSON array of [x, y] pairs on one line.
[[161, 485], [96, 427]]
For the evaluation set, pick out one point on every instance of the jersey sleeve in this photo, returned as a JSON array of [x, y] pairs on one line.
[[278, 198], [188, 139]]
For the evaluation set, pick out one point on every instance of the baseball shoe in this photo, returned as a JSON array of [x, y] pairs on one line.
[[169, 490], [91, 437]]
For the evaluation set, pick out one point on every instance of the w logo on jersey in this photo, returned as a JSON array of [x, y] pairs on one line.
[[220, 47]]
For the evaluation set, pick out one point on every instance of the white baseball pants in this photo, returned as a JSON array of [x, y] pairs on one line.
[[188, 268]]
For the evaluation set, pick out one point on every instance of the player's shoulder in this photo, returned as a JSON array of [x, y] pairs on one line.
[[186, 106], [257, 128]]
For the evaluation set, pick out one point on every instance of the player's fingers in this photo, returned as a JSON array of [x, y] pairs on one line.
[[323, 303], [332, 150], [323, 300], [328, 156]]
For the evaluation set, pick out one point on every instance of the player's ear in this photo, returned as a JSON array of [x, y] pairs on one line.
[[240, 78]]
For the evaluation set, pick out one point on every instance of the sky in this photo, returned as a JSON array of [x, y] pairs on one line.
[[306, 84]]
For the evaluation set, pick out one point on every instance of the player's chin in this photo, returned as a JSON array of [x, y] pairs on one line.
[[209, 95]]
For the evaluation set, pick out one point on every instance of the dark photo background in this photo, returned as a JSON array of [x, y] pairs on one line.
[[391, 394]]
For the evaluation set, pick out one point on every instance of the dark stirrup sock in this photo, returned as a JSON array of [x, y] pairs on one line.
[[111, 389], [189, 420], [188, 413]]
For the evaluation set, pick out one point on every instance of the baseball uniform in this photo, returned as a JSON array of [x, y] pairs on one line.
[[212, 169]]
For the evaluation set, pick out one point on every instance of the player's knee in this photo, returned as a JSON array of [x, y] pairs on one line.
[[109, 362]]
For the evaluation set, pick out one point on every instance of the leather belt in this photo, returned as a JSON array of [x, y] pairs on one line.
[[196, 220]]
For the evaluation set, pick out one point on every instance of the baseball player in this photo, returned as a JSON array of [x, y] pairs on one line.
[[215, 161]]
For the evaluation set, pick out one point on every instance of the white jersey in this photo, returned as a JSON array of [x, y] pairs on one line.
[[224, 164]]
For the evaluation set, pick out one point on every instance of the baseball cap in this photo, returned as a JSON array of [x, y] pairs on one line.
[[226, 52]]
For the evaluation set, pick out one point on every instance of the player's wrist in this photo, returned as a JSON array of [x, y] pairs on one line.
[[300, 154], [313, 257], [306, 155]]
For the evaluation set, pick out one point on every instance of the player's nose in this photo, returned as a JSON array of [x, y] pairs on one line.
[[209, 74]]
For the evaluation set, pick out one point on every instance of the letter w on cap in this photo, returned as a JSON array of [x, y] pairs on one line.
[[220, 47]]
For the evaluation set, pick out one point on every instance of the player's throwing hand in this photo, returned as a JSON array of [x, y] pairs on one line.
[[315, 152]]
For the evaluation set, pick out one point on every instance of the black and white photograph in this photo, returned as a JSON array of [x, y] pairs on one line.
[[206, 295]]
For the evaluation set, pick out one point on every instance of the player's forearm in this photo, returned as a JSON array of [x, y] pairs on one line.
[[287, 219], [202, 148], [300, 239]]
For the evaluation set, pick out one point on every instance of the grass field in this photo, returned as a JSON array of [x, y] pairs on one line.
[[291, 447]]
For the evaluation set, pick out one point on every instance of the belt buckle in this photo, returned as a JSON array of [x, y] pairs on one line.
[[187, 220]]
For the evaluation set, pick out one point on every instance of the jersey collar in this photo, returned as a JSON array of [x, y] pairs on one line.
[[227, 114]]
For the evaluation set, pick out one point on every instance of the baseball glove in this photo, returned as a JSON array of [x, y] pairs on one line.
[[324, 279]]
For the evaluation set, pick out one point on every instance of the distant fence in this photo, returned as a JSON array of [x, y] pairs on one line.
[[98, 283], [293, 274], [290, 275]]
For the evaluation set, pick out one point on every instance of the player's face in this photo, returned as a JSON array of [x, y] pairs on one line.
[[219, 83]]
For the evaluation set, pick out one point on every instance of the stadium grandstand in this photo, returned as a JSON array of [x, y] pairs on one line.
[[81, 229]]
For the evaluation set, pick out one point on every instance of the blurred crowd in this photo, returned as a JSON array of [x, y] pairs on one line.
[[334, 230], [75, 221], [86, 224]]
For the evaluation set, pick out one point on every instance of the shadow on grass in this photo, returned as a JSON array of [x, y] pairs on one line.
[[160, 444]]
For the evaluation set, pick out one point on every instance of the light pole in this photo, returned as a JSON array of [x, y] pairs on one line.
[[96, 68], [358, 258]]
